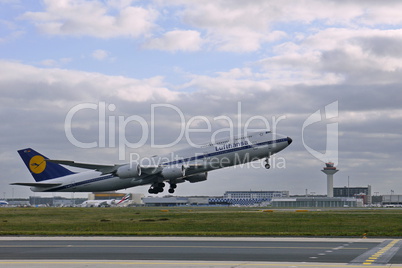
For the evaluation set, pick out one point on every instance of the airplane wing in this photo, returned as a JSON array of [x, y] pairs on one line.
[[37, 184], [105, 169]]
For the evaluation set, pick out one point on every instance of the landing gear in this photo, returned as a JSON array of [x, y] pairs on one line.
[[172, 187], [153, 191], [267, 165], [156, 188]]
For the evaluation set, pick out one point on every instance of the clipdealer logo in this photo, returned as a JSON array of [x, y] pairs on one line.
[[112, 129]]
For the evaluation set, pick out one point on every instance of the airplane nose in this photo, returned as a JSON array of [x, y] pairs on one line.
[[289, 140]]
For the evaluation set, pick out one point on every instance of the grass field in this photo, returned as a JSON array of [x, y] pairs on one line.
[[199, 222]]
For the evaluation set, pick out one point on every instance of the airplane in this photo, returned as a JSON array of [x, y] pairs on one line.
[[190, 164], [3, 203], [104, 203]]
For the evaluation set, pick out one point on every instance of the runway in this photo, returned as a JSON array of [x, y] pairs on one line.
[[198, 252]]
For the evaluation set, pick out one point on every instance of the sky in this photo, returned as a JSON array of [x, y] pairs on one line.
[[99, 81]]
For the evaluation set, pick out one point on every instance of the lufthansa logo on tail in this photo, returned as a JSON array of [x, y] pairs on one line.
[[37, 164]]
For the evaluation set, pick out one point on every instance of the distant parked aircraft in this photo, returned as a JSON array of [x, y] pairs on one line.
[[105, 203]]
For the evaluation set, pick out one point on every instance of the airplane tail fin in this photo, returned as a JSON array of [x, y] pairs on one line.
[[124, 199], [40, 169]]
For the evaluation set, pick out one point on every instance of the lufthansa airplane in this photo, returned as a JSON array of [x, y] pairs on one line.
[[191, 164]]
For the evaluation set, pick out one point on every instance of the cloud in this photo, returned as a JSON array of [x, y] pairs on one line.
[[230, 26], [100, 54], [92, 18], [300, 56], [233, 26], [334, 55], [177, 40], [65, 86], [55, 63], [39, 99], [376, 13], [239, 26]]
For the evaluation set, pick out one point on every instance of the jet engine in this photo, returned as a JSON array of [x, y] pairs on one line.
[[197, 177], [129, 171], [172, 172]]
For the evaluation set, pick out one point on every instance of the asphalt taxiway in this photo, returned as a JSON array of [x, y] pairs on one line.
[[198, 252]]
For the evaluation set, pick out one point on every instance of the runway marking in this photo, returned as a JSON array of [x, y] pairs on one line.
[[380, 254], [145, 246], [186, 264], [383, 252], [329, 251]]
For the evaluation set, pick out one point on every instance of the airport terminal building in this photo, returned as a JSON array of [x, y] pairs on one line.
[[352, 191], [317, 202], [392, 200], [255, 194], [361, 192], [230, 198], [276, 199], [247, 198]]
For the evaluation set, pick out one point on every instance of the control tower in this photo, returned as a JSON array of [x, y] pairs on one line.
[[330, 170]]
